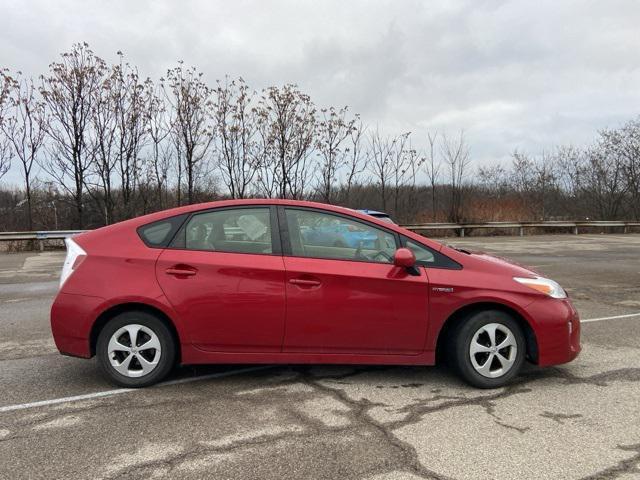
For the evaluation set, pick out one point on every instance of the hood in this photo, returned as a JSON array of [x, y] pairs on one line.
[[495, 264], [508, 266]]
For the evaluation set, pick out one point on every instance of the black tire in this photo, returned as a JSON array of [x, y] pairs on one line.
[[167, 349], [460, 343]]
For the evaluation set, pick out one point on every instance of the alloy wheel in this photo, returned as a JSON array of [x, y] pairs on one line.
[[134, 350], [493, 350]]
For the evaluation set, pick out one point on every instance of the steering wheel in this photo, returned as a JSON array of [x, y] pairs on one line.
[[384, 255], [380, 253]]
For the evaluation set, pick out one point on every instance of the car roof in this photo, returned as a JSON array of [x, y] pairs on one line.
[[251, 201]]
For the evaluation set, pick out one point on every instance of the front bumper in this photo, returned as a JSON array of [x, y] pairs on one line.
[[557, 328]]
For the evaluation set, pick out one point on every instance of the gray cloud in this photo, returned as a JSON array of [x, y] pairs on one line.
[[516, 74]]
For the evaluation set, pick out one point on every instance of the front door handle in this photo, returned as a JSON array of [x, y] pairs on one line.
[[181, 271], [302, 282]]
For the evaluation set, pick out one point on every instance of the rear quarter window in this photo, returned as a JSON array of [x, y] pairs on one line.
[[159, 234]]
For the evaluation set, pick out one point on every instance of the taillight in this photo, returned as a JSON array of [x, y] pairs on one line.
[[75, 256]]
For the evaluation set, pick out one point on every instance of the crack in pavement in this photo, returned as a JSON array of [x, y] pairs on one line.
[[560, 417], [359, 414], [360, 411], [404, 457], [203, 450], [418, 410], [630, 465], [627, 374]]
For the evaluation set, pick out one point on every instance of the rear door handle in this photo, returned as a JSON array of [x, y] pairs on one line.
[[305, 283], [181, 271]]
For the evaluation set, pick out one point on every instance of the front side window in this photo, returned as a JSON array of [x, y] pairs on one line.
[[243, 230], [429, 258], [323, 235]]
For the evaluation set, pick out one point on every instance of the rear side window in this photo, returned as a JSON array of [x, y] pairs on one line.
[[159, 234], [427, 257], [242, 230]]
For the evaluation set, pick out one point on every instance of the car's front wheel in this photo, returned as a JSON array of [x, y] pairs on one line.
[[488, 349], [135, 349]]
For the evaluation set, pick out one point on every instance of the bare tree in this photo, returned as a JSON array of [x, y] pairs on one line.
[[104, 137], [356, 162], [414, 162], [237, 131], [287, 124], [545, 181], [605, 180], [178, 164], [455, 152], [130, 108], [332, 130], [103, 133], [381, 149], [269, 173], [523, 180], [400, 166], [24, 128], [389, 165], [625, 142], [191, 118], [6, 154], [494, 179], [6, 151], [159, 154], [6, 83], [70, 90], [570, 165], [433, 170]]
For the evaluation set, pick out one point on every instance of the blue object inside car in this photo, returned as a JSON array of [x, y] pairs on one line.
[[338, 233]]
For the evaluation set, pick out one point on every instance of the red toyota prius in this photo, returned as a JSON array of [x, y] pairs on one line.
[[278, 281]]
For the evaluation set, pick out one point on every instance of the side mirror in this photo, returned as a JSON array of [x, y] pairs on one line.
[[404, 258]]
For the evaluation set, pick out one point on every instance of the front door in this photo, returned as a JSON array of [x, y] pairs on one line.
[[225, 279], [344, 295]]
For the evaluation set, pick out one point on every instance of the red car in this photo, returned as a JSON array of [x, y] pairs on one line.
[[235, 282]]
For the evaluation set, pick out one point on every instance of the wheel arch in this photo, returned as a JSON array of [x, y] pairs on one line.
[[464, 312], [117, 309]]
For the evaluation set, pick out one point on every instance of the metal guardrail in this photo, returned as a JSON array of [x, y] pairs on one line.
[[39, 236], [575, 226]]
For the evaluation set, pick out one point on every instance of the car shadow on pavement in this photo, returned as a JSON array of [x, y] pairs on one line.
[[378, 376]]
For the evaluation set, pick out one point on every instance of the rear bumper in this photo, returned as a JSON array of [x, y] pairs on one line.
[[71, 321], [557, 329]]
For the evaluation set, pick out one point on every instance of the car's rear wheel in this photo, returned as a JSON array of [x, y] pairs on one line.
[[488, 349], [135, 349]]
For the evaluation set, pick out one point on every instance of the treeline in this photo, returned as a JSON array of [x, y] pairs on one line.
[[96, 143]]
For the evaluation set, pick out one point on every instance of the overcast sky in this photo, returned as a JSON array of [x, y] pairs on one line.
[[526, 75]]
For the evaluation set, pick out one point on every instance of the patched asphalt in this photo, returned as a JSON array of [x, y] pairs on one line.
[[580, 420]]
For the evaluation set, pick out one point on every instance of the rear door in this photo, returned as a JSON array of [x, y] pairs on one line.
[[347, 296], [224, 276]]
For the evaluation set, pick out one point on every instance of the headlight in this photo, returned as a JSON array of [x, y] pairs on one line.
[[543, 285]]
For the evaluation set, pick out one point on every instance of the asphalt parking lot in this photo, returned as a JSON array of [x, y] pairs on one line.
[[580, 420]]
